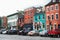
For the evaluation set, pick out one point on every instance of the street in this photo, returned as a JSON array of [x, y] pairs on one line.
[[20, 37]]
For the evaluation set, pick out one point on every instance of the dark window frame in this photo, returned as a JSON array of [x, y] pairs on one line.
[[43, 25], [56, 16], [43, 17], [38, 17], [48, 17], [52, 17], [56, 7]]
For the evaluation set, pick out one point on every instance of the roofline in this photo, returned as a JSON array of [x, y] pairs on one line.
[[12, 14]]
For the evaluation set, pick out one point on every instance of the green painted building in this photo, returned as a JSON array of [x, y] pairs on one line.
[[39, 19]]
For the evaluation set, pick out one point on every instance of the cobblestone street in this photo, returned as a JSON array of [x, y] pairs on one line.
[[19, 37]]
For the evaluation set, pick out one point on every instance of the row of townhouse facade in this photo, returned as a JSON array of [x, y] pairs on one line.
[[35, 18]]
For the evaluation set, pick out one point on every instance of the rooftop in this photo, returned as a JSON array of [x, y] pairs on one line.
[[51, 2]]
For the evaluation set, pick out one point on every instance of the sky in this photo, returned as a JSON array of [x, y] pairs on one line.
[[8, 7]]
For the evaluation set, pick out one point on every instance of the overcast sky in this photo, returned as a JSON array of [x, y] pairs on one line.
[[8, 7]]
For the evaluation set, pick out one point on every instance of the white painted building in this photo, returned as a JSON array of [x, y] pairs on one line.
[[12, 21]]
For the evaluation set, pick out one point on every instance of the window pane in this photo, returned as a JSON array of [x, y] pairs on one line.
[[52, 17], [56, 16], [51, 8], [39, 17], [55, 26], [43, 25], [35, 18], [43, 16], [56, 7], [48, 9], [58, 26], [48, 18]]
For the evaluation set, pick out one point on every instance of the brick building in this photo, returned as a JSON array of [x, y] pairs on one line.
[[20, 20], [53, 14], [4, 22], [28, 16]]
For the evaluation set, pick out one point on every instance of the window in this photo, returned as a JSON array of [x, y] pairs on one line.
[[43, 16], [52, 17], [37, 27], [35, 18], [43, 25], [59, 26], [51, 8], [48, 18], [40, 27], [56, 6], [51, 28], [56, 16], [47, 9], [38, 17], [55, 26]]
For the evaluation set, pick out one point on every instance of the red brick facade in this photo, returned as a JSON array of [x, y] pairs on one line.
[[28, 15], [52, 15], [5, 22]]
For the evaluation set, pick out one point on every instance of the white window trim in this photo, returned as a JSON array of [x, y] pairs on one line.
[[44, 17], [56, 5], [47, 17], [55, 16], [54, 25], [51, 16], [47, 26], [47, 9], [51, 8]]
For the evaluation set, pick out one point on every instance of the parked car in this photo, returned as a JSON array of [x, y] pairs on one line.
[[20, 32], [43, 33], [26, 30], [54, 33], [3, 31], [12, 31], [33, 33]]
